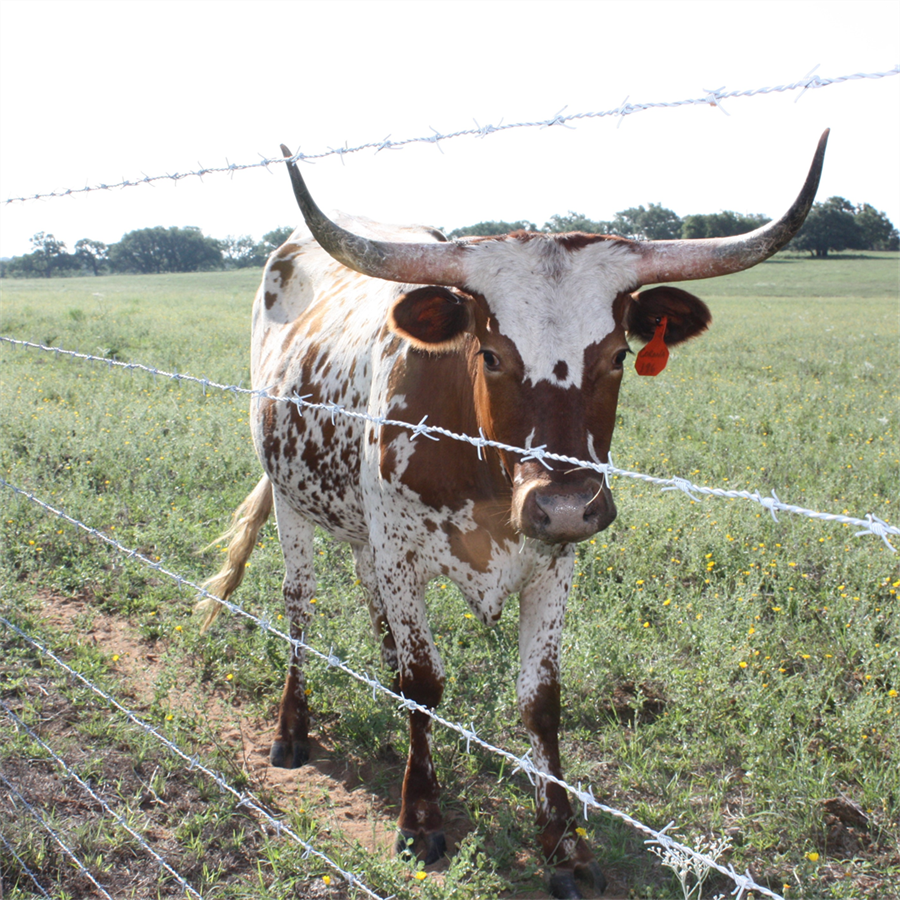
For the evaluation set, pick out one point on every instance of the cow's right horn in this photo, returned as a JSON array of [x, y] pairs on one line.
[[665, 261], [425, 263]]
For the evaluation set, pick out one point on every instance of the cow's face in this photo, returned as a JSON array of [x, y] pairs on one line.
[[543, 320]]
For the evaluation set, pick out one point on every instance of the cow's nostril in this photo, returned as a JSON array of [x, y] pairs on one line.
[[543, 509]]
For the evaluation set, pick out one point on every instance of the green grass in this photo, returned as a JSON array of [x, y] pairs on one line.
[[721, 669]]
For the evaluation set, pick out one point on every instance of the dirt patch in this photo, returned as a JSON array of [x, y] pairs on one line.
[[331, 791], [631, 703], [331, 785], [158, 801]]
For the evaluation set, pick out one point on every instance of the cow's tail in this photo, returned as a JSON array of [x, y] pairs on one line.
[[246, 523]]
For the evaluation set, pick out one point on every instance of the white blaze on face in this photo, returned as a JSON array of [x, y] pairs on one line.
[[552, 303]]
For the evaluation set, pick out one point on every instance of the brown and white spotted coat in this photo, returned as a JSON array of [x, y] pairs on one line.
[[523, 338]]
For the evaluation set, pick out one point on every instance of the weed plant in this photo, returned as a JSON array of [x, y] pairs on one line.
[[731, 673]]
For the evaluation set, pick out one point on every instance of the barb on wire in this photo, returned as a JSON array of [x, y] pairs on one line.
[[243, 798], [22, 726], [713, 98], [809, 80], [870, 524], [522, 763], [683, 485]]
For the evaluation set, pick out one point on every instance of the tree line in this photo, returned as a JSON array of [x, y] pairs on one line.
[[832, 226], [145, 251]]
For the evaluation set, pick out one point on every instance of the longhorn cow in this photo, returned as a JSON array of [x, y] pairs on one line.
[[521, 337]]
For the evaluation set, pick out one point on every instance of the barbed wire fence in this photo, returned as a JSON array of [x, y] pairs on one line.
[[810, 81], [868, 525]]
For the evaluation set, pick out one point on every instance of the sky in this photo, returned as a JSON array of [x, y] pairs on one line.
[[96, 91]]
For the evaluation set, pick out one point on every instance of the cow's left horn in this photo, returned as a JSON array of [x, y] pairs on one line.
[[707, 257], [425, 263]]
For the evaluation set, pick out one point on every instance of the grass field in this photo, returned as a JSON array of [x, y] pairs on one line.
[[733, 674]]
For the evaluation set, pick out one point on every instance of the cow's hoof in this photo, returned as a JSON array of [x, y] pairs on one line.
[[289, 755], [591, 875], [435, 847], [403, 846], [562, 885]]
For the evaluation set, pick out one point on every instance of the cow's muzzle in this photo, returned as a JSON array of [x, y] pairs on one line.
[[562, 511]]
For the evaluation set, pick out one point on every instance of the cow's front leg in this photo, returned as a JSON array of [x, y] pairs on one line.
[[421, 679], [290, 748], [420, 828], [541, 612]]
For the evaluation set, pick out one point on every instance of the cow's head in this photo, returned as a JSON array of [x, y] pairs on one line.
[[544, 321]]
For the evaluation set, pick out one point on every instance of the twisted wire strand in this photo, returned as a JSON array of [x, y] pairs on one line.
[[870, 524], [810, 81], [25, 868], [52, 832]]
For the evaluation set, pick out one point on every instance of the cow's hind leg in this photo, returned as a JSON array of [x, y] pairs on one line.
[[541, 610], [365, 571], [291, 746], [421, 825]]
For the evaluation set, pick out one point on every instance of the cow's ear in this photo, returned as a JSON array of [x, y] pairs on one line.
[[687, 315], [432, 318]]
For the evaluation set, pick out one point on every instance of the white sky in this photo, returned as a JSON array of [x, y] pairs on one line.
[[95, 92]]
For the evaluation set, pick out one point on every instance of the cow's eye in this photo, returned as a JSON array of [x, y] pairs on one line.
[[491, 360], [620, 359]]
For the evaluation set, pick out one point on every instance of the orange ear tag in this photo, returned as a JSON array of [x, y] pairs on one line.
[[653, 358]]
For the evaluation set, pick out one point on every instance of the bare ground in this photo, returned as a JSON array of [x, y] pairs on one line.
[[333, 790]]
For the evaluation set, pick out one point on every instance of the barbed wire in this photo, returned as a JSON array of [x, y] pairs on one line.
[[244, 798], [22, 726], [810, 81], [52, 832], [870, 524], [24, 866], [585, 796]]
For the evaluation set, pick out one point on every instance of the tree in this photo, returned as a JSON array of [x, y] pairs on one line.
[[154, 250], [660, 224], [830, 225], [656, 223], [720, 224], [574, 221], [272, 241], [92, 254], [878, 232], [48, 257], [24, 266], [242, 252], [488, 229]]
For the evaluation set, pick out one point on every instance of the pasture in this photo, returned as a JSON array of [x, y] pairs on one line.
[[729, 673]]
